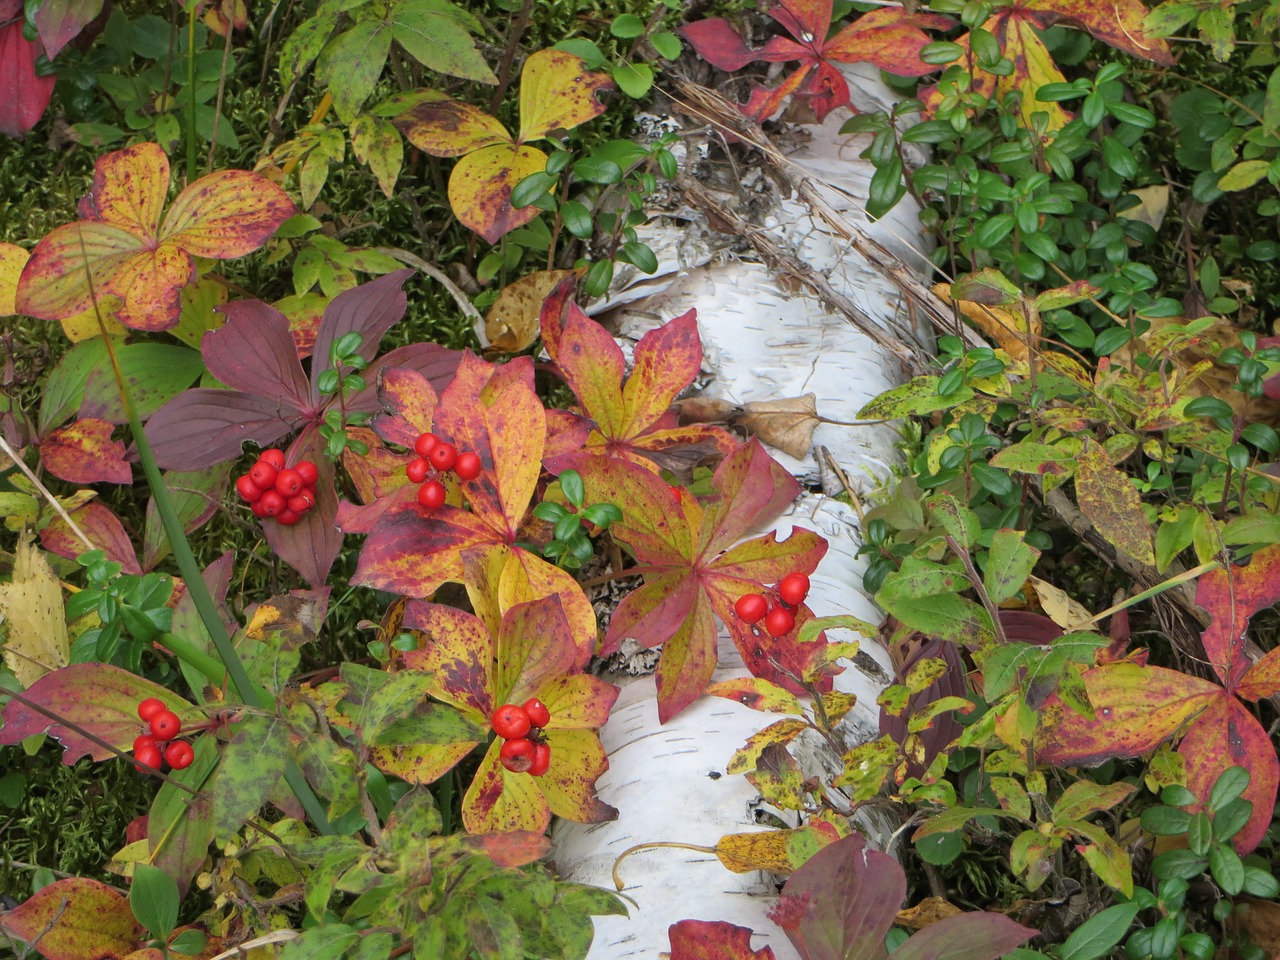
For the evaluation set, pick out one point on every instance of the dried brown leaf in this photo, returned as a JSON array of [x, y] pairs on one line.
[[786, 424], [511, 324]]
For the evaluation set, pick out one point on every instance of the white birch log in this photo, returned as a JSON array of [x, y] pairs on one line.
[[668, 782]]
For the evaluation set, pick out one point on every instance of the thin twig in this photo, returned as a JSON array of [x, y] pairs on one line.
[[435, 273], [53, 501]]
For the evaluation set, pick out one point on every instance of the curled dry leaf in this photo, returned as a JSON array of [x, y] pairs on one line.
[[512, 322], [1005, 325], [787, 424]]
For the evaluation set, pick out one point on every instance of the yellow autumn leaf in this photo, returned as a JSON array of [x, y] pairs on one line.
[[1006, 326], [31, 606]]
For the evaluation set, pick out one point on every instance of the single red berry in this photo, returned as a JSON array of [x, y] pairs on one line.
[[274, 457], [149, 707], [288, 482], [300, 504], [541, 760], [179, 754], [147, 757], [258, 510], [510, 721], [272, 503], [537, 712], [426, 441], [417, 470], [443, 456], [263, 475], [287, 518], [165, 725], [517, 755], [779, 621], [751, 607], [431, 494], [793, 588], [248, 490], [307, 470], [144, 741], [468, 466]]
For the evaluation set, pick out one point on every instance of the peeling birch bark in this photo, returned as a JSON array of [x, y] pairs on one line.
[[836, 326]]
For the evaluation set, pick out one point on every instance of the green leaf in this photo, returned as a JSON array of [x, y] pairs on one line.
[[1244, 175], [577, 219], [1229, 786], [1008, 564], [153, 895], [597, 170], [667, 45], [1231, 818], [351, 64], [627, 26], [252, 764], [432, 32], [633, 79], [1098, 934], [1227, 869], [1165, 821], [572, 488]]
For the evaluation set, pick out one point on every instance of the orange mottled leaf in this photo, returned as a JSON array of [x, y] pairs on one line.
[[1228, 735], [84, 452], [74, 919], [713, 940], [757, 694], [1136, 709], [1232, 595], [122, 250]]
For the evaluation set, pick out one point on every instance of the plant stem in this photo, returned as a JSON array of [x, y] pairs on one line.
[[182, 555], [191, 95]]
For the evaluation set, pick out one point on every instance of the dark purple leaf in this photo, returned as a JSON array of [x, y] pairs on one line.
[[966, 936], [101, 526], [850, 896], [312, 544], [201, 427], [255, 352], [945, 728], [370, 309]]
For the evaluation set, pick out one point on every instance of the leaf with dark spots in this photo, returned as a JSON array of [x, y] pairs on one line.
[[254, 352], [89, 702], [85, 453], [74, 919], [155, 373], [61, 21], [128, 259], [1232, 595]]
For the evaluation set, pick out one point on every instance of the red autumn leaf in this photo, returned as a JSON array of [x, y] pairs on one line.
[[891, 38], [531, 651], [698, 567], [85, 453], [631, 413], [495, 413], [713, 940], [123, 247], [1138, 708], [74, 919], [557, 92], [101, 526], [1017, 29], [87, 698], [26, 95]]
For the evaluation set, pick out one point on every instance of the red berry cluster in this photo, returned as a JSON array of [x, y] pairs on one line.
[[526, 749], [274, 490], [150, 749], [435, 456], [778, 619]]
